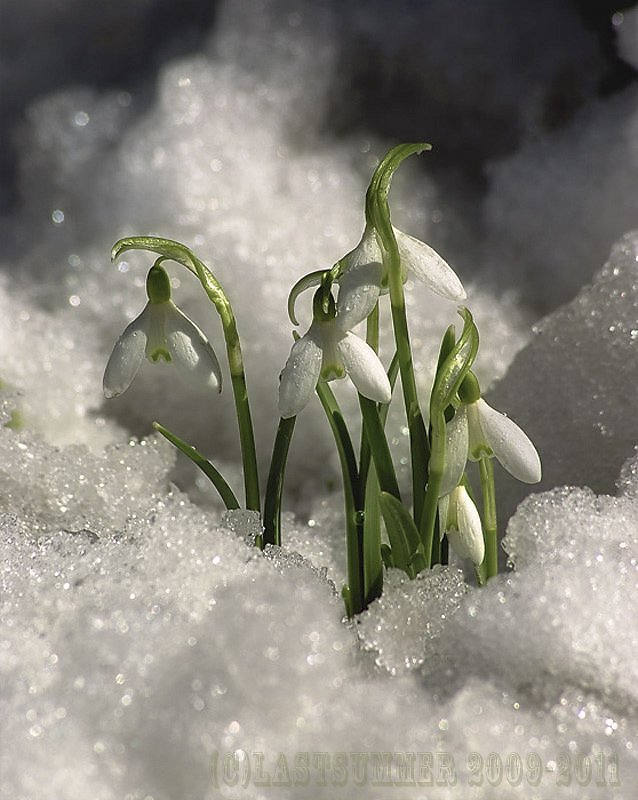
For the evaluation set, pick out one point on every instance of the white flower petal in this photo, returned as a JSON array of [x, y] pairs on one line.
[[510, 445], [190, 350], [359, 286], [467, 541], [428, 266], [300, 375], [364, 368], [456, 446], [126, 357]]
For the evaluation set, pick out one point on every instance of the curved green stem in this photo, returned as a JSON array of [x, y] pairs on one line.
[[490, 562], [378, 213], [215, 477], [275, 485], [182, 255]]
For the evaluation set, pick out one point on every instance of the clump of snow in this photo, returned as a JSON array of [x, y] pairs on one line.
[[72, 488], [573, 388], [561, 617], [48, 357], [404, 625]]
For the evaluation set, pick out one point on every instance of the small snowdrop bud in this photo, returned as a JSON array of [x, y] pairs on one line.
[[460, 520]]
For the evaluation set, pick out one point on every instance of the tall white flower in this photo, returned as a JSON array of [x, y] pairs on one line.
[[460, 520], [329, 350], [161, 331], [365, 264]]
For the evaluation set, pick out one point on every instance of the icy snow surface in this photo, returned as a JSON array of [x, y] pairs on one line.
[[142, 637]]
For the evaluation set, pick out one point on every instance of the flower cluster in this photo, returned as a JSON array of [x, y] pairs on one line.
[[462, 426], [329, 349]]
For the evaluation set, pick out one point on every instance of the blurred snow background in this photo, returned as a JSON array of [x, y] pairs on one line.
[[140, 632]]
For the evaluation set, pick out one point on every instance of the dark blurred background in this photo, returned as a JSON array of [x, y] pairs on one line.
[[479, 78]]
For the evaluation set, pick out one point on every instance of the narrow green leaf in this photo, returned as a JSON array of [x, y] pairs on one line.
[[379, 447], [386, 555], [307, 282], [402, 532], [372, 561], [215, 477], [347, 600], [456, 365], [275, 485]]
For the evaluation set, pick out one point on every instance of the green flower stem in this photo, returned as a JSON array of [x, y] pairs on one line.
[[372, 560], [490, 562], [355, 599], [275, 485], [215, 477], [182, 255], [436, 469], [393, 372], [375, 436], [378, 212]]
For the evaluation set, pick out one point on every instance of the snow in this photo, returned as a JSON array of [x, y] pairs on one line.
[[142, 636]]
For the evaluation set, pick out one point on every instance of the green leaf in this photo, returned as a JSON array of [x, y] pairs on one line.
[[379, 448], [455, 366], [307, 282], [215, 477], [402, 532], [372, 561], [386, 555]]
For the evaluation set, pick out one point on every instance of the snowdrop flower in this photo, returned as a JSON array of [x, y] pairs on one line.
[[417, 259], [478, 430], [329, 350], [161, 331], [493, 434], [460, 520]]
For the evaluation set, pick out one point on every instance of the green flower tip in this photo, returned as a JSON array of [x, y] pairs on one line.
[[158, 285], [469, 390]]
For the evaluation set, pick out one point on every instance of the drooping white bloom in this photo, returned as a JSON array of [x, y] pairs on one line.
[[417, 259], [161, 331], [478, 430], [493, 434], [460, 520], [329, 350]]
